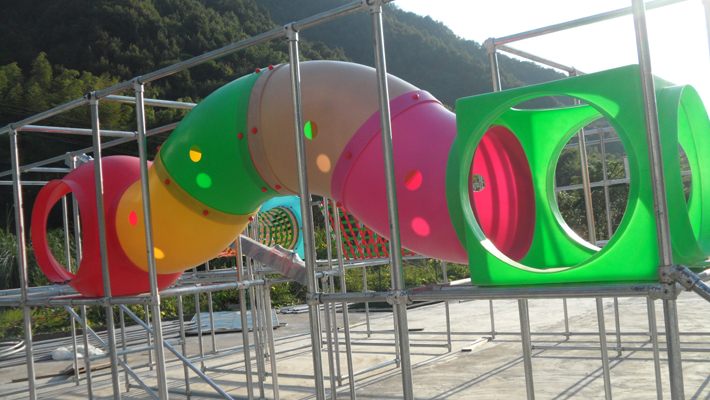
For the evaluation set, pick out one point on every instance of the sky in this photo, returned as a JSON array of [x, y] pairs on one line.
[[678, 36]]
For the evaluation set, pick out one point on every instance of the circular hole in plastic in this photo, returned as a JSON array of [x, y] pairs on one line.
[[413, 179], [477, 183], [606, 162], [133, 218], [323, 162], [310, 130], [203, 180], [195, 153], [505, 211]]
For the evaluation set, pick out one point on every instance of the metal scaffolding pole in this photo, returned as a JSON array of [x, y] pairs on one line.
[[306, 211], [99, 180], [400, 305], [653, 330], [245, 326], [22, 261], [603, 347], [665, 250], [527, 347], [346, 315], [148, 222]]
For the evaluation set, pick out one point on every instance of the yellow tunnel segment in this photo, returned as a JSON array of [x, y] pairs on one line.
[[186, 232]]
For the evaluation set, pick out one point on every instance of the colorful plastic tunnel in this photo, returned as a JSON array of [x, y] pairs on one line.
[[235, 151]]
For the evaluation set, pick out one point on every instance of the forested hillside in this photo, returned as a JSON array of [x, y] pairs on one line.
[[54, 51], [419, 49]]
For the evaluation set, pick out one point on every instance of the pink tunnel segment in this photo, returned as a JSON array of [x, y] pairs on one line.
[[422, 132], [505, 207]]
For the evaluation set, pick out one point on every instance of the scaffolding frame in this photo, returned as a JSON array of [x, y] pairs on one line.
[[250, 278]]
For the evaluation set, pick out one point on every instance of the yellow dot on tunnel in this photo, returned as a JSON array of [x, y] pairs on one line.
[[323, 163], [195, 153], [159, 255]]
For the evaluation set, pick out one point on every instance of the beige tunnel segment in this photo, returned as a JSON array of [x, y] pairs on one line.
[[337, 97]]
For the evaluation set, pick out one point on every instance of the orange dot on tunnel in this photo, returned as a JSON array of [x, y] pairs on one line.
[[413, 179]]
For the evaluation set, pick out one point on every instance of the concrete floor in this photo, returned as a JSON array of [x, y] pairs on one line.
[[492, 370]]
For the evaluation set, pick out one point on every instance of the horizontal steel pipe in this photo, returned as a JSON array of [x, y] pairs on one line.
[[74, 131], [476, 293], [46, 114], [106, 145], [57, 170], [152, 102], [330, 15], [538, 59], [580, 22], [25, 183]]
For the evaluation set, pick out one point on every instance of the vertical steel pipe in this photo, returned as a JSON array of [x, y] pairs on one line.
[[101, 217], [346, 314], [258, 344], [87, 359], [584, 170], [605, 178], [564, 309], [334, 380], [22, 261], [245, 323], [653, 329], [152, 271], [306, 210], [527, 347], [493, 321], [329, 344], [77, 222], [148, 338], [210, 309], [122, 320], [602, 344], [493, 61], [336, 338], [617, 322], [367, 305], [446, 306], [675, 365], [67, 241], [270, 336], [395, 245], [75, 356], [183, 341]]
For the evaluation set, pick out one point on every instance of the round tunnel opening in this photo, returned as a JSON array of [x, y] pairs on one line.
[[501, 191]]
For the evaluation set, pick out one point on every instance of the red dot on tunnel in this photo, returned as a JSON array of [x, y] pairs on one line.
[[133, 218], [413, 179], [420, 227]]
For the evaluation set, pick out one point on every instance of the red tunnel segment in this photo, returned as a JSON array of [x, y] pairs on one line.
[[126, 278]]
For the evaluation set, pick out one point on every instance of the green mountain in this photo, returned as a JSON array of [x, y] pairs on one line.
[[419, 50], [54, 51]]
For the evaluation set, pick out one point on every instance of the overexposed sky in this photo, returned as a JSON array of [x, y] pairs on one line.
[[678, 35]]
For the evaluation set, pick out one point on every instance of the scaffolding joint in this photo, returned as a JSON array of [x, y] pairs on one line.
[[397, 297], [313, 299], [490, 46], [374, 6], [681, 274], [138, 86], [291, 32]]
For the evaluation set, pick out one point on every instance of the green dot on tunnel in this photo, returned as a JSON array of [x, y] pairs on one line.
[[203, 180]]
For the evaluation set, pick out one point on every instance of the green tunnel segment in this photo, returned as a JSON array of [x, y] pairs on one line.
[[208, 154], [558, 255]]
